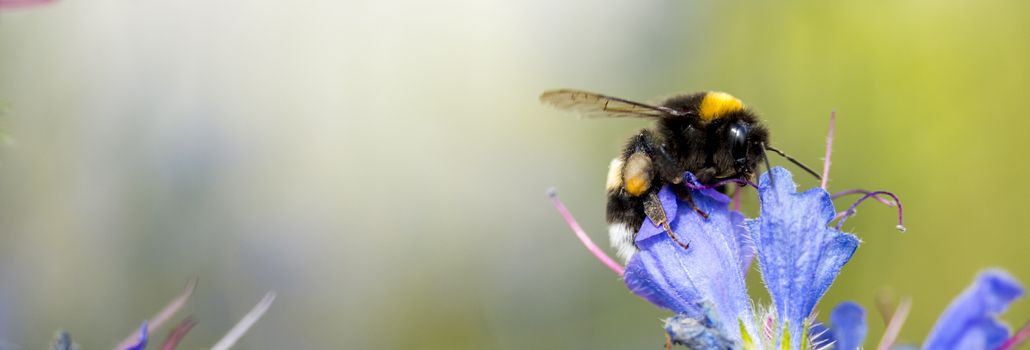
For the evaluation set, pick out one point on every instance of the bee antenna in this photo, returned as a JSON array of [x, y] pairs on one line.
[[765, 156], [795, 161]]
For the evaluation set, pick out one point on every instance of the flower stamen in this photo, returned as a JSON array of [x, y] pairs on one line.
[[857, 191], [851, 211], [582, 235], [178, 333]]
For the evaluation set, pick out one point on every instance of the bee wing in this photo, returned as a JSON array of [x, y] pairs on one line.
[[592, 105]]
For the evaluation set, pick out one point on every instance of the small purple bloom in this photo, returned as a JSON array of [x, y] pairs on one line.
[[798, 254], [969, 322], [799, 257]]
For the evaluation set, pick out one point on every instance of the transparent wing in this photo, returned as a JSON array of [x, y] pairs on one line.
[[592, 105]]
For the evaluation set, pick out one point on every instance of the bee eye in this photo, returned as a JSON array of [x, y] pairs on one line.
[[738, 133]]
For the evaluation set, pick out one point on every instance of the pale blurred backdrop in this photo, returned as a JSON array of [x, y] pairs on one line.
[[382, 165]]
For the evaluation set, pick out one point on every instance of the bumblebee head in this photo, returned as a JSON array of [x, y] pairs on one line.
[[737, 141], [734, 133]]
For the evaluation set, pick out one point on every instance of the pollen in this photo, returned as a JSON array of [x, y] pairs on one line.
[[636, 185], [718, 104], [637, 174]]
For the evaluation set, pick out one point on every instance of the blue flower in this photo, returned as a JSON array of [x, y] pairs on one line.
[[712, 270], [968, 323], [798, 254]]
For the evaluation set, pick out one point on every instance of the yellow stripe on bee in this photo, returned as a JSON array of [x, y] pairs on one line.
[[717, 104]]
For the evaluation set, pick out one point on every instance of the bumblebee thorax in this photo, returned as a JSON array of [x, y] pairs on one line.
[[715, 105]]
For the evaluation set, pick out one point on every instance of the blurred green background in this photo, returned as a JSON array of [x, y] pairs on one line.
[[382, 165]]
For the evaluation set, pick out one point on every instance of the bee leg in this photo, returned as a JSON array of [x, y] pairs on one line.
[[668, 341], [656, 212], [665, 166], [684, 193]]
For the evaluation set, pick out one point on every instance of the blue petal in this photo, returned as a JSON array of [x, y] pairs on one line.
[[142, 343], [969, 322], [799, 256], [710, 271], [849, 326]]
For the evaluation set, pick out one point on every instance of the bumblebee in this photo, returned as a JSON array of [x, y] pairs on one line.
[[710, 134]]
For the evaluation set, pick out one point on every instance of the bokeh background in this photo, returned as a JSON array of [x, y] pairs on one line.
[[382, 165]]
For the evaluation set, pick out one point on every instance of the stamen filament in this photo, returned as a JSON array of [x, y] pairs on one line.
[[582, 235], [164, 315], [858, 190], [890, 335], [178, 333], [1017, 339], [829, 149], [851, 211]]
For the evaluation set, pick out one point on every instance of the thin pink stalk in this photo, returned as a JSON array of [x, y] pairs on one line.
[[829, 149], [13, 4], [593, 248], [178, 333], [890, 335], [1017, 339], [162, 316]]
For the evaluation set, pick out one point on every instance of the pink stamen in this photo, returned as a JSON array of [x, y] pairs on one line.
[[583, 237], [13, 4], [856, 191], [829, 149], [178, 333], [1017, 339], [164, 315], [890, 335], [851, 211]]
